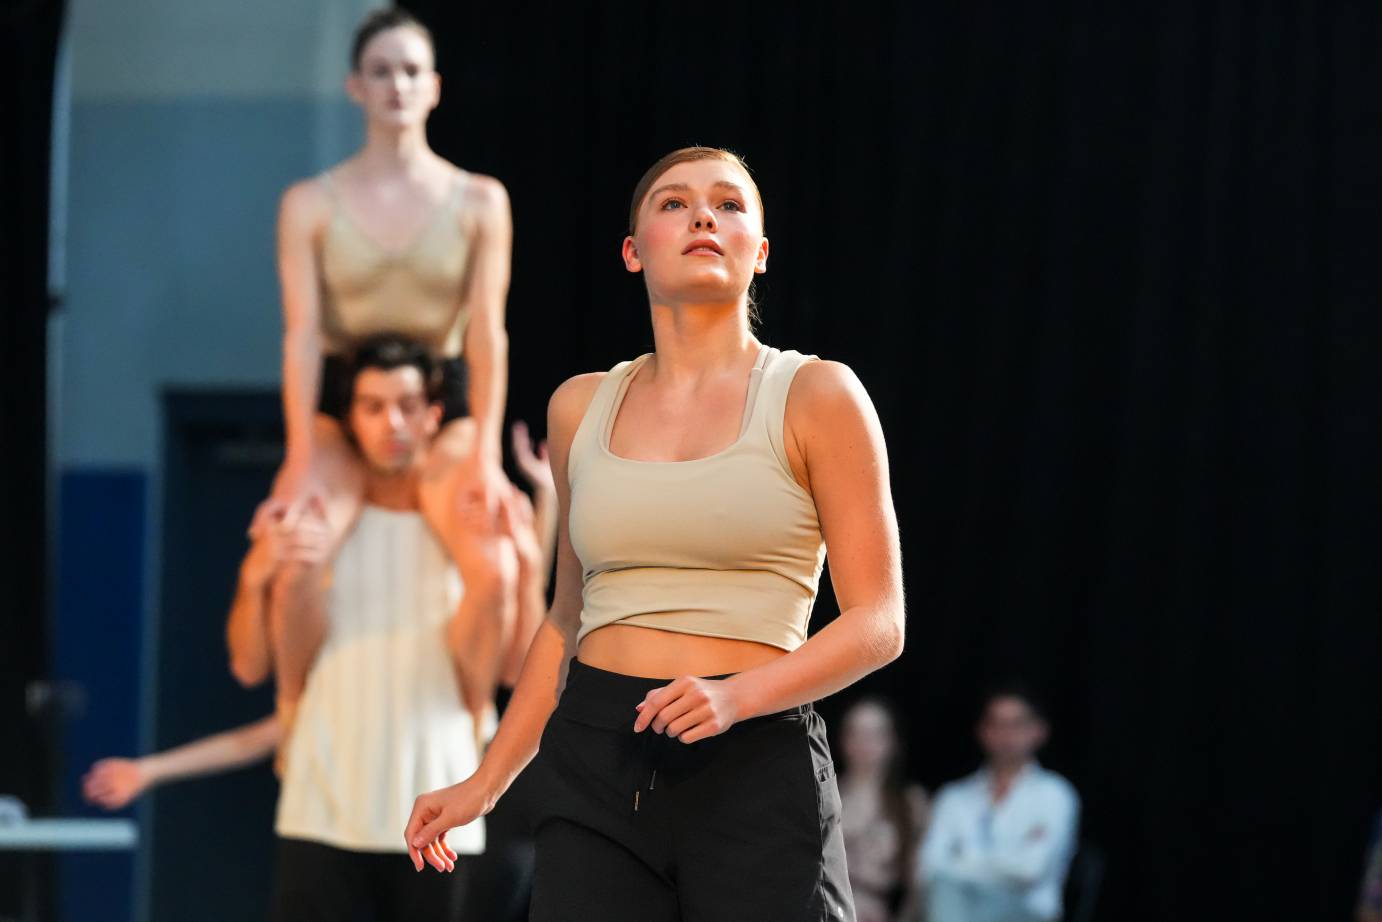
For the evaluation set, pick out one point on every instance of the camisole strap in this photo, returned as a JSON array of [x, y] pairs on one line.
[[772, 398], [329, 186], [591, 431]]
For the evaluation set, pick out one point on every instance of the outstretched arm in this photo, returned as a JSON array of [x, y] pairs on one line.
[[113, 783]]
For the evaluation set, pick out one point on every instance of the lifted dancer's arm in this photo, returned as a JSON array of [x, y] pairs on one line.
[[486, 347], [835, 446], [542, 676], [302, 211], [113, 783]]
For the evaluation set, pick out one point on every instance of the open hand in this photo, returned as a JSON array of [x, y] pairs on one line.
[[113, 783], [533, 464], [435, 813]]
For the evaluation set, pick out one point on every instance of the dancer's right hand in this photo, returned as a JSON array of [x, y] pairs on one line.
[[308, 543], [435, 813], [113, 783], [297, 490]]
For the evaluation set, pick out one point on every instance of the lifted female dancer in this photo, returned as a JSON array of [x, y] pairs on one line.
[[394, 239]]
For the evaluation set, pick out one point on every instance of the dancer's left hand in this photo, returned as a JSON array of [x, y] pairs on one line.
[[689, 709]]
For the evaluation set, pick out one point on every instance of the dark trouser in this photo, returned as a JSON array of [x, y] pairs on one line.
[[320, 883], [740, 827]]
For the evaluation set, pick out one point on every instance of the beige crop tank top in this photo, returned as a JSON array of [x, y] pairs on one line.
[[367, 289], [723, 546]]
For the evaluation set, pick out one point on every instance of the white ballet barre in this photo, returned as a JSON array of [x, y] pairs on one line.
[[53, 835]]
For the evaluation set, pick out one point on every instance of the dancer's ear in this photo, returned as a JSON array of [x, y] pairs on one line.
[[354, 87], [631, 260], [434, 414], [436, 92]]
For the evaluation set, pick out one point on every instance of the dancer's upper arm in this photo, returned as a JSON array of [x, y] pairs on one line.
[[838, 437], [486, 345], [301, 214], [247, 630], [564, 413], [487, 280]]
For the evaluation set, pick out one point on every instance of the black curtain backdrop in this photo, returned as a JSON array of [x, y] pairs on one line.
[[1110, 277], [28, 47]]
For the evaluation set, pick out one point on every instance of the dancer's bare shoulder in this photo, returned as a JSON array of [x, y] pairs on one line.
[[828, 408], [485, 198], [568, 405], [824, 394], [304, 206]]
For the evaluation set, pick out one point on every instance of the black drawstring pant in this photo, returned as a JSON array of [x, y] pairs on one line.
[[740, 827]]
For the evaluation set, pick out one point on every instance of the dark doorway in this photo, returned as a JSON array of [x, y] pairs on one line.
[[210, 840]]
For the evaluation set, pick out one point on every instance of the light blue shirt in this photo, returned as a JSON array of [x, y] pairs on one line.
[[1021, 845]]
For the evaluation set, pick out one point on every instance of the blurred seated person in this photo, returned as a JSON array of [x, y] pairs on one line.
[[1000, 840], [883, 816]]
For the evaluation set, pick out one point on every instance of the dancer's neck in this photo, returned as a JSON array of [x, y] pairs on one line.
[[692, 340], [391, 151], [397, 492]]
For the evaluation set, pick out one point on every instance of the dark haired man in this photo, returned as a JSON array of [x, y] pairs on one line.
[[1000, 840], [382, 716]]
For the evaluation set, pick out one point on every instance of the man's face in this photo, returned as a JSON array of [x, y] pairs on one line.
[[1010, 732], [391, 417]]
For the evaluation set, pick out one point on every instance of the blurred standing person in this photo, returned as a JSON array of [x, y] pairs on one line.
[[883, 816], [1000, 840], [394, 240]]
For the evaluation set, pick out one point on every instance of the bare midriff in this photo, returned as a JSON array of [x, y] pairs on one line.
[[648, 652]]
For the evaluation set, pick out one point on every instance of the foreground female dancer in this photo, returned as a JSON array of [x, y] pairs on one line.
[[685, 773], [395, 239]]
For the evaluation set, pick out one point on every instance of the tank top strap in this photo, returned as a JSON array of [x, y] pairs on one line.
[[771, 404], [328, 183], [590, 434], [457, 195]]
